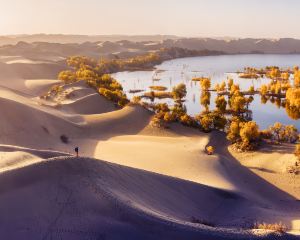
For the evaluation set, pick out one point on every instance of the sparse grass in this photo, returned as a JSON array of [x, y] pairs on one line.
[[158, 88], [278, 227], [201, 221]]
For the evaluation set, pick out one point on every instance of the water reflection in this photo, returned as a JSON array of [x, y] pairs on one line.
[[265, 110]]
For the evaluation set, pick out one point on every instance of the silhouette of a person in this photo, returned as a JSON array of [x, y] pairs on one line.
[[77, 150]]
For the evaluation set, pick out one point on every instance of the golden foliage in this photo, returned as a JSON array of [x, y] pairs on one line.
[[278, 227]]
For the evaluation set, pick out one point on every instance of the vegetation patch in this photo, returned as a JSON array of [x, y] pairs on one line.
[[158, 88], [278, 227]]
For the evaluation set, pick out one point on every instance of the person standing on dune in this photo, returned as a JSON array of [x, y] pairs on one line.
[[76, 150]]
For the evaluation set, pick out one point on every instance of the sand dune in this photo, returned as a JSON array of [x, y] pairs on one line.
[[38, 87], [90, 198], [88, 105], [14, 75]]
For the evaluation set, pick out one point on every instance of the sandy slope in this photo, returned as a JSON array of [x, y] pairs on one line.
[[272, 163], [65, 198], [86, 198]]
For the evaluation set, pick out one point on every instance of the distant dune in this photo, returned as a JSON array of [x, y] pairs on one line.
[[61, 38], [60, 46]]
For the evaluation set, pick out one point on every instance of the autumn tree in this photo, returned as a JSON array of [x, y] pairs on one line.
[[205, 84], [274, 73], [296, 77], [205, 100], [234, 88], [67, 76], [221, 103], [233, 133], [249, 133], [238, 102], [291, 134], [179, 91], [251, 89], [276, 130], [222, 87], [263, 89], [293, 97], [229, 83]]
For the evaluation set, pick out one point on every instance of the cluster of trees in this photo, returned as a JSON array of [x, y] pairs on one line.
[[244, 134], [86, 69], [164, 114], [280, 133], [293, 97], [272, 72], [219, 88], [96, 72], [275, 88], [143, 62], [209, 121], [178, 93], [282, 93]]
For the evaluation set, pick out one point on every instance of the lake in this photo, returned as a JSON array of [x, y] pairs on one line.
[[218, 68]]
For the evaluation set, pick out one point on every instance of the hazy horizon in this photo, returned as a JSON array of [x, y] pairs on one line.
[[190, 18], [141, 35]]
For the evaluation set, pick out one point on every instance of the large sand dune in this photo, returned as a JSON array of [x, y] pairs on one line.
[[151, 184], [69, 198]]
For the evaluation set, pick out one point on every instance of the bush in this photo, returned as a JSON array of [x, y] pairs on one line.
[[64, 139], [210, 150], [158, 122], [278, 227], [136, 99], [187, 120]]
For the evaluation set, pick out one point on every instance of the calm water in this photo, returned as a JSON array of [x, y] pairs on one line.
[[218, 68]]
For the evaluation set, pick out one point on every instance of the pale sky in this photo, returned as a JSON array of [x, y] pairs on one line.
[[202, 18]]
